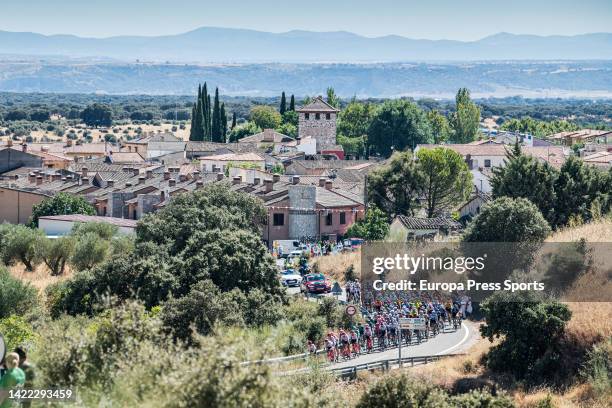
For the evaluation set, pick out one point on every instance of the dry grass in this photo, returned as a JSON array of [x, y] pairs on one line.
[[598, 231], [39, 278], [334, 266]]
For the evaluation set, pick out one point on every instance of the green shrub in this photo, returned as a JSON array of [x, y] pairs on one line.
[[531, 329], [480, 399], [401, 391], [16, 296], [17, 332], [597, 369]]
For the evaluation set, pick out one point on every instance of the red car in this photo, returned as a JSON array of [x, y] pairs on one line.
[[316, 283]]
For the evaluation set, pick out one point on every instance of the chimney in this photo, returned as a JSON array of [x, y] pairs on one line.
[[162, 195], [322, 182], [44, 149], [125, 169], [9, 143], [64, 179], [110, 183], [84, 171], [295, 180], [166, 175], [32, 178], [172, 182], [69, 177], [135, 171], [128, 184], [141, 179], [182, 178], [69, 143], [196, 175], [268, 184], [237, 180], [220, 176], [275, 178], [149, 174], [56, 177], [268, 135], [199, 184], [24, 147], [298, 140], [85, 181], [39, 180], [328, 184], [256, 181]]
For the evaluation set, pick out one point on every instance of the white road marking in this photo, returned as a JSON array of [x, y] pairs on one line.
[[463, 340]]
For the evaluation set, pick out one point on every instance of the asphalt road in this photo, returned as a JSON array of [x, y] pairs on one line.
[[296, 290], [449, 342]]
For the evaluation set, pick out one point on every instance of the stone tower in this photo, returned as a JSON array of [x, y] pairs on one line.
[[318, 120]]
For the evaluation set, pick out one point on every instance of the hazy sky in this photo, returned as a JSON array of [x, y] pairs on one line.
[[432, 19]]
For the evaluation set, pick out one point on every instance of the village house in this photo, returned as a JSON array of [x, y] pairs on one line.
[[317, 119], [152, 145]]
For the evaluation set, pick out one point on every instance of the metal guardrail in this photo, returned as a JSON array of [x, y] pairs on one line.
[[385, 365]]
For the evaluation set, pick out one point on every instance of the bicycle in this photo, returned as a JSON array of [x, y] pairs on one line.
[[369, 344]]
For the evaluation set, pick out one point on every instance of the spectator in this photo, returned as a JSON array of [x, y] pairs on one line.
[[12, 377], [28, 370]]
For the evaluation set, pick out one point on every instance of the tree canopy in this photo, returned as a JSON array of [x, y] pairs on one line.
[[447, 181], [466, 118], [396, 126], [61, 204], [97, 114], [265, 117]]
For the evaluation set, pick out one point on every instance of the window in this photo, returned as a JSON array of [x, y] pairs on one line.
[[317, 116], [343, 218], [278, 219], [328, 219], [487, 163], [327, 116], [307, 116]]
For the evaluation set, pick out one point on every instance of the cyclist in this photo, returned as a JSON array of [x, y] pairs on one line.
[[344, 341], [354, 339], [329, 347], [367, 332]]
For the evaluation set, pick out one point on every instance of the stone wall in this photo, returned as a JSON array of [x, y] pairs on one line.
[[303, 222], [323, 130]]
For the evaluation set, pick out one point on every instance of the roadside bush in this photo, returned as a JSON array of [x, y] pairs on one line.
[[83, 352], [16, 332], [530, 329], [401, 391], [597, 369], [201, 310], [480, 399]]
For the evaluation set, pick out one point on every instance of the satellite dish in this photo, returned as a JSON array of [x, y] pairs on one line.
[[2, 347]]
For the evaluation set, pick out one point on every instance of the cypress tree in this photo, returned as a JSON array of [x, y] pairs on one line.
[[283, 104], [233, 120], [208, 119], [205, 113], [193, 118], [216, 131], [292, 103], [223, 124]]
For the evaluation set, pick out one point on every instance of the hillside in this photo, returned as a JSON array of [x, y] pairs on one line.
[[439, 80]]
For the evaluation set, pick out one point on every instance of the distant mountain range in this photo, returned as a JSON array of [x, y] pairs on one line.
[[210, 44]]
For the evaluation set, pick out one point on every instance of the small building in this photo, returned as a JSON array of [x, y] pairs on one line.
[[405, 228], [58, 225], [582, 136], [16, 204], [154, 145], [473, 205]]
